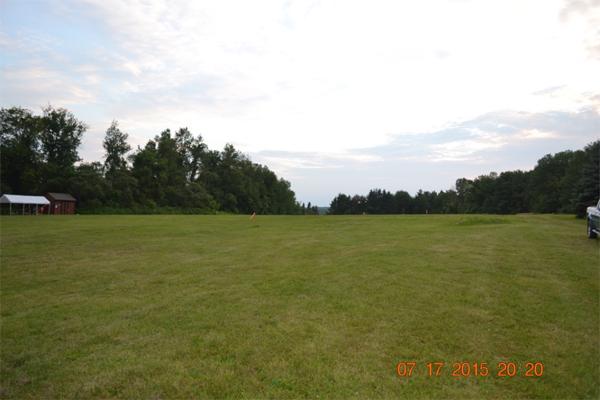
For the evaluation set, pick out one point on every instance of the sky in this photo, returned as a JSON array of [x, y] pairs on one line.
[[333, 96]]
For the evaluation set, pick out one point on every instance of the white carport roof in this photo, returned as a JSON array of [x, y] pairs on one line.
[[19, 199]]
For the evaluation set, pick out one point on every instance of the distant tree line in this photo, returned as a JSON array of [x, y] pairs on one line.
[[566, 182], [175, 169], [309, 209]]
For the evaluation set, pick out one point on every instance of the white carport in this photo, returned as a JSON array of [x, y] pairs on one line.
[[17, 199]]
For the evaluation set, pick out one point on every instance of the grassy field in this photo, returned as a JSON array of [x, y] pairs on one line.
[[298, 307]]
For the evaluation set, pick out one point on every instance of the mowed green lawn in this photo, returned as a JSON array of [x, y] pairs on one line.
[[298, 306]]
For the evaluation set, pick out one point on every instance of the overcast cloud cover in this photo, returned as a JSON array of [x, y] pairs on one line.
[[334, 96]]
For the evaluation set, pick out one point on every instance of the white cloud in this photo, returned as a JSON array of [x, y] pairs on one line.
[[535, 134], [463, 150]]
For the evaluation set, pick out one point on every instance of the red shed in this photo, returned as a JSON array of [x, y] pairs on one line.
[[61, 203]]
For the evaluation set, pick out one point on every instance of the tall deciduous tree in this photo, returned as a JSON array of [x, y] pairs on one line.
[[545, 184], [191, 150], [39, 154], [116, 146], [20, 151], [61, 135], [150, 171], [587, 191], [88, 185]]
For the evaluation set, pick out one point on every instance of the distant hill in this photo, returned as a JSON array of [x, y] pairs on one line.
[[323, 210]]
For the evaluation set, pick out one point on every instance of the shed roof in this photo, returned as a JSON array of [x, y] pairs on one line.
[[62, 196], [20, 199]]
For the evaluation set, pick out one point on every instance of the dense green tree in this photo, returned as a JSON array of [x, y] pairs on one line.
[[116, 146], [380, 202], [388, 204], [586, 191], [20, 151], [123, 189], [479, 197], [546, 182], [509, 192], [88, 185], [463, 188], [39, 154], [231, 180], [358, 204], [404, 202], [445, 202], [340, 205], [191, 150], [150, 171], [421, 202], [285, 198], [569, 182], [61, 136]]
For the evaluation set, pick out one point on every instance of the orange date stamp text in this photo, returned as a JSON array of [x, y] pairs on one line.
[[467, 369]]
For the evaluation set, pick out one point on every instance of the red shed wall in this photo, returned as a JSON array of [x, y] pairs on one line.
[[64, 207], [61, 207]]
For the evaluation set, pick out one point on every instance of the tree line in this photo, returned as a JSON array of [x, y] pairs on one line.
[[566, 182], [39, 154]]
